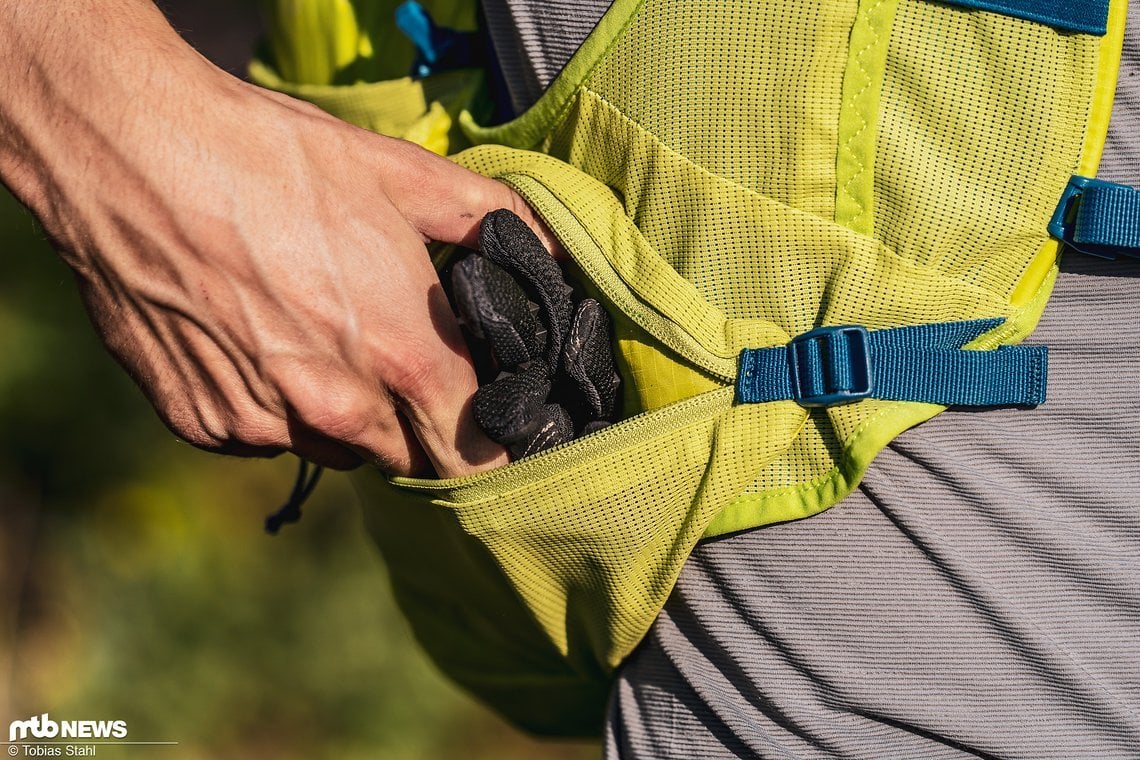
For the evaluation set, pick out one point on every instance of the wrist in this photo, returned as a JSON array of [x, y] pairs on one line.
[[88, 87]]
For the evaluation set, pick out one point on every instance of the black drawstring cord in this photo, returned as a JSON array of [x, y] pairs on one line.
[[290, 511]]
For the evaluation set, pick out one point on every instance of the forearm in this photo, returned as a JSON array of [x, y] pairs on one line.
[[89, 92]]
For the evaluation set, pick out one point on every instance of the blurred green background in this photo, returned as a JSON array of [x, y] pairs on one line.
[[136, 582]]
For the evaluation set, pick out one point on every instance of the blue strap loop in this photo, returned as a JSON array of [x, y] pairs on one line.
[[843, 364], [1098, 218]]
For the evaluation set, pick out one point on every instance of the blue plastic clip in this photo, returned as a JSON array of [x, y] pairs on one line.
[[1063, 225], [1098, 218], [831, 366], [417, 26]]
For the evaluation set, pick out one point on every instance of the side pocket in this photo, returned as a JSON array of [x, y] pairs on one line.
[[529, 584], [350, 59], [424, 111]]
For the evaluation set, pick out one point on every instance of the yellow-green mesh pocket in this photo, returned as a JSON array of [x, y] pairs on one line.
[[531, 583], [705, 264], [423, 111]]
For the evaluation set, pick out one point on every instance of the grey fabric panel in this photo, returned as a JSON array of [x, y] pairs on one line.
[[534, 39], [979, 595]]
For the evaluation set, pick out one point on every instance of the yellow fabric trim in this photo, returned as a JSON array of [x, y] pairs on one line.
[[359, 73], [528, 129], [1108, 70], [346, 42]]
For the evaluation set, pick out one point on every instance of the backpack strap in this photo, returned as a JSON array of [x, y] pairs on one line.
[[1082, 16], [843, 364], [1098, 218]]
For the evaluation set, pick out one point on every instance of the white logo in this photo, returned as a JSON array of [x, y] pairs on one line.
[[43, 727]]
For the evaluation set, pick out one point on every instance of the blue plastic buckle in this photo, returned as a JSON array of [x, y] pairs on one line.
[[1063, 225], [831, 366]]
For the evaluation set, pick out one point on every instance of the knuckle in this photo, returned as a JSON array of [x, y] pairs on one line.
[[418, 376], [392, 462], [343, 416], [201, 439], [195, 428], [255, 427]]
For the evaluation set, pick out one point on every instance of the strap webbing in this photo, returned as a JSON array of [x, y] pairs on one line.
[[1109, 215], [1099, 218], [1086, 16], [834, 365]]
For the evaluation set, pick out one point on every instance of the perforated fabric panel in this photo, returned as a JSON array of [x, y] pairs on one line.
[[965, 164], [749, 91], [981, 114], [964, 169]]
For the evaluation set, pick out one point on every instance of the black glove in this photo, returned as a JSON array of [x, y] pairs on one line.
[[555, 362]]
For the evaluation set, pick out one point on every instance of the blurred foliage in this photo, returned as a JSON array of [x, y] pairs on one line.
[[136, 583]]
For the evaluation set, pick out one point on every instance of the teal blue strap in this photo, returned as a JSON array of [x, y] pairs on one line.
[[1085, 16], [1099, 218], [839, 365], [438, 49]]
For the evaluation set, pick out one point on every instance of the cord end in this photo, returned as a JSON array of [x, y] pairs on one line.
[[290, 511]]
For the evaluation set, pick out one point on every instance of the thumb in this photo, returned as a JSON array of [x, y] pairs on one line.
[[445, 202]]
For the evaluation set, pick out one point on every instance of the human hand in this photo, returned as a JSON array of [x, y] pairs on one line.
[[258, 266]]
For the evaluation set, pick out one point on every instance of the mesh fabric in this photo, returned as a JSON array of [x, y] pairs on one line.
[[727, 176]]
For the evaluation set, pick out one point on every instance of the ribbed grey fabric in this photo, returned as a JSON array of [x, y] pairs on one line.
[[978, 596], [534, 39]]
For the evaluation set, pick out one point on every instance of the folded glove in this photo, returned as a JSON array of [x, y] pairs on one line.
[[554, 357]]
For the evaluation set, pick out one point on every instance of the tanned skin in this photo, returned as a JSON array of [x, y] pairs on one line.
[[258, 266]]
